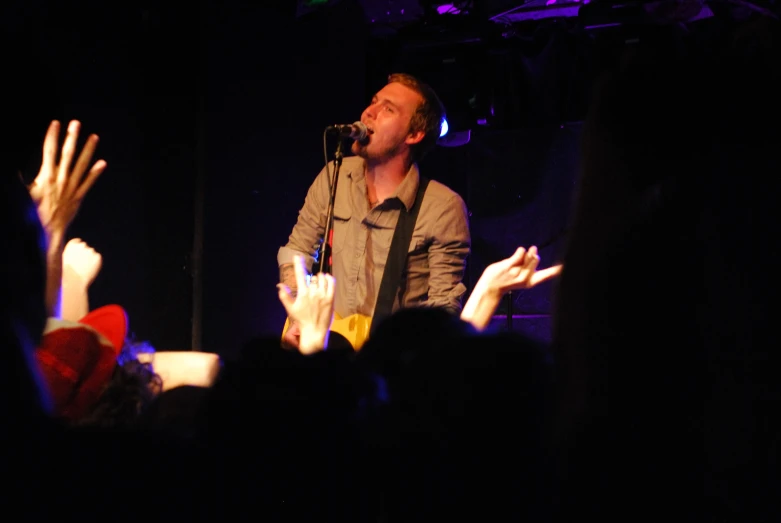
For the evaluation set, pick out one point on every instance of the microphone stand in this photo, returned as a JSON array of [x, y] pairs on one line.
[[325, 247]]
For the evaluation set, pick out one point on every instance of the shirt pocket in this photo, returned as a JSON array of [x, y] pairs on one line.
[[417, 245], [417, 258], [416, 250], [341, 229]]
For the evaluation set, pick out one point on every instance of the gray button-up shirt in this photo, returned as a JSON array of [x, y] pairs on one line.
[[437, 253]]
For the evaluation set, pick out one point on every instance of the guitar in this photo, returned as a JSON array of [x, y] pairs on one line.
[[355, 328]]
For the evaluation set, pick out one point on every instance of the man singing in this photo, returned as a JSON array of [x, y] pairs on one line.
[[374, 186]]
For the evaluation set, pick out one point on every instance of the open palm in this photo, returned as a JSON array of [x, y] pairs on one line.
[[60, 187]]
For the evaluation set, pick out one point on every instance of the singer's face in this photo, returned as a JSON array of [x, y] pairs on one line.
[[388, 118]]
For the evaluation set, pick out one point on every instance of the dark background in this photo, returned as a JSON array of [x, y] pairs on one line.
[[211, 116]]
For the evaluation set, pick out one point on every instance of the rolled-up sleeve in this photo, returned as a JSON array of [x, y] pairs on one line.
[[308, 231], [447, 254]]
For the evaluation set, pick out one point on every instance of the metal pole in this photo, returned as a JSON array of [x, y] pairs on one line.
[[200, 182]]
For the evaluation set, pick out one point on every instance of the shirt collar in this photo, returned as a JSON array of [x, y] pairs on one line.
[[405, 192]]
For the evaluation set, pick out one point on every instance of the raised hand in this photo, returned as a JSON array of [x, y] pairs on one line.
[[519, 271], [58, 191], [60, 186], [312, 308], [80, 264]]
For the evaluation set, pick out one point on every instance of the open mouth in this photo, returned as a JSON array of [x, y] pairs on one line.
[[370, 131]]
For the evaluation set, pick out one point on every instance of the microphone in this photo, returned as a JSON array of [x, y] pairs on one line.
[[356, 130]]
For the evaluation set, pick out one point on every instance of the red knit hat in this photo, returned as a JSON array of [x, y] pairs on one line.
[[77, 359]]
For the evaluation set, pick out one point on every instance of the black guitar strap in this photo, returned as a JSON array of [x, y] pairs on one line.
[[397, 257]]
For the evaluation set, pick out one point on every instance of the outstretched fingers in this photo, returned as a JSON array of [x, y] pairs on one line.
[[66, 158]]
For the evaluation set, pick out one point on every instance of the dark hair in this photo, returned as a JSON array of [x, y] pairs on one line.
[[133, 388], [23, 281], [22, 309], [403, 336], [427, 118]]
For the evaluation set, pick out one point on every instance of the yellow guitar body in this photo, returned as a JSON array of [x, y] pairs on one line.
[[355, 328]]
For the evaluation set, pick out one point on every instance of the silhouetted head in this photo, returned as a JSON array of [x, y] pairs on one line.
[[22, 301], [400, 338]]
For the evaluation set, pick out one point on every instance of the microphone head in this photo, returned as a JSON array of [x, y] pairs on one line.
[[361, 132], [356, 130]]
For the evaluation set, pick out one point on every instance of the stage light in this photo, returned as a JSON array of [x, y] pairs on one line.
[[443, 128]]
